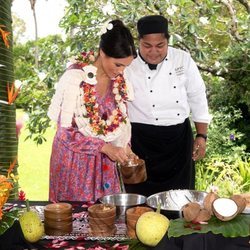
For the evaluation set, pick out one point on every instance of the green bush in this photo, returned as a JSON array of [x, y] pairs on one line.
[[227, 164]]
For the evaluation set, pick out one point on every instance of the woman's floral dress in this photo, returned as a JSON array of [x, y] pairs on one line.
[[78, 170]]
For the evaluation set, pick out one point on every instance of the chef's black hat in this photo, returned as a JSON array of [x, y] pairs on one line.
[[152, 24]]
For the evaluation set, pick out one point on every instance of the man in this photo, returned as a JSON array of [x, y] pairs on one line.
[[168, 88]]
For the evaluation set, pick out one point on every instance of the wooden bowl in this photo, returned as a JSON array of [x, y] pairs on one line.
[[58, 219], [102, 233], [102, 220], [102, 210], [101, 227], [134, 213]]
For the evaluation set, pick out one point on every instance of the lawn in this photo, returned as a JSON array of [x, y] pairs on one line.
[[34, 164]]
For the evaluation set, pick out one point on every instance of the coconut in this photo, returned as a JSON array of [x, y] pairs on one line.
[[208, 201], [191, 211], [240, 201], [225, 209], [204, 215]]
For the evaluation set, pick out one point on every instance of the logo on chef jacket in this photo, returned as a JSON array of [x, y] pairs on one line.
[[179, 71]]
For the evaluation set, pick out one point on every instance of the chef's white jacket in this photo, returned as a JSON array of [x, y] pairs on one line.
[[166, 96]]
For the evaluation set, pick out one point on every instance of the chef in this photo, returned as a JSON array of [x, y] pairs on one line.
[[169, 92]]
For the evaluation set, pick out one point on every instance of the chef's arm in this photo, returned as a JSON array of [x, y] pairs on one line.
[[199, 148], [201, 128]]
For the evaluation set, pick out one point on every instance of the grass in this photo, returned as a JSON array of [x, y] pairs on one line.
[[33, 163]]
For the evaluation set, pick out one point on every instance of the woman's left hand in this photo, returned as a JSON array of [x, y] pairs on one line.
[[199, 148]]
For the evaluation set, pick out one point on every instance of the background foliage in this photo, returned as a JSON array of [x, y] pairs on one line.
[[215, 32]]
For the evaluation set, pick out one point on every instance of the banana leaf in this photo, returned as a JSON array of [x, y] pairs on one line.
[[238, 227]]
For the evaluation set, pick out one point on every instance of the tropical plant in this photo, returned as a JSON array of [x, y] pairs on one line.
[[227, 164], [8, 136], [234, 89], [38, 85]]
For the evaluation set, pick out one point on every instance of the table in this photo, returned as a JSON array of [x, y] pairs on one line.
[[13, 239]]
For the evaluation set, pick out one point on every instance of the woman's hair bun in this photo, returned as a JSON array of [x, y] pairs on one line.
[[117, 41], [117, 23]]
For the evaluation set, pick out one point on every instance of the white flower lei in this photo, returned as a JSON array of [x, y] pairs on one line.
[[91, 123]]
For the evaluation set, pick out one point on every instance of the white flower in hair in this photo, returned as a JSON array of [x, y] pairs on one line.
[[90, 74], [106, 26]]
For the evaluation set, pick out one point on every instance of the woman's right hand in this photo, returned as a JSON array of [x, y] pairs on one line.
[[117, 154]]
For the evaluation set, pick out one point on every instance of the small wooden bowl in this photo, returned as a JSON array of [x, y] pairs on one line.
[[134, 213], [101, 227], [102, 210], [131, 234], [58, 219], [58, 232], [103, 233], [133, 174], [105, 220], [59, 207], [131, 223], [58, 224]]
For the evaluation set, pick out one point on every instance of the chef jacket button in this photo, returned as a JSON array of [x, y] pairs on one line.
[[174, 87], [156, 119], [153, 105], [178, 114], [151, 91], [177, 101], [170, 73], [149, 77]]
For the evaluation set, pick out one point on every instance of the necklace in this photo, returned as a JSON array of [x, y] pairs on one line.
[[107, 124]]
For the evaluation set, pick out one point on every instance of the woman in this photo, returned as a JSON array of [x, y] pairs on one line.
[[93, 128]]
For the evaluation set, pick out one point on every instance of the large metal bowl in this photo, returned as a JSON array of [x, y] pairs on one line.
[[123, 201], [172, 201]]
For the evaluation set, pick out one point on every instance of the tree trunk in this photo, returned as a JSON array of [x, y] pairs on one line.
[[33, 5], [8, 136]]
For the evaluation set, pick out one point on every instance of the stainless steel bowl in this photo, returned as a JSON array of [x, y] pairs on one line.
[[172, 201], [123, 201]]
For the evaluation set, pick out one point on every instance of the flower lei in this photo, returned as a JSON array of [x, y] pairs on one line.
[[105, 124]]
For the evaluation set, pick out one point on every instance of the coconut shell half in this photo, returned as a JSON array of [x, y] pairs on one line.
[[208, 201], [224, 209], [203, 215], [240, 201], [191, 211]]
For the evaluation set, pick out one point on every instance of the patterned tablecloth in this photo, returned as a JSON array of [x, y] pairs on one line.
[[81, 226]]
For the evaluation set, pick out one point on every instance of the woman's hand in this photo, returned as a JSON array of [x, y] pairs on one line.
[[132, 157], [199, 149], [117, 154]]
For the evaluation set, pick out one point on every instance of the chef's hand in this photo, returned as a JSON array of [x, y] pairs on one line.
[[117, 154], [199, 149]]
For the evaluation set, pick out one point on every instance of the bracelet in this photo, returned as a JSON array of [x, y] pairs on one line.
[[204, 136]]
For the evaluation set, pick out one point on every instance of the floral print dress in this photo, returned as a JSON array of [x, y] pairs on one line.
[[78, 170]]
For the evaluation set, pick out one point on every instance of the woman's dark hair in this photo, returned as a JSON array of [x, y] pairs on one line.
[[118, 41]]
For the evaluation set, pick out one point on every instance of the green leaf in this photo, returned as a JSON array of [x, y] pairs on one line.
[[8, 220], [238, 227], [192, 28]]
